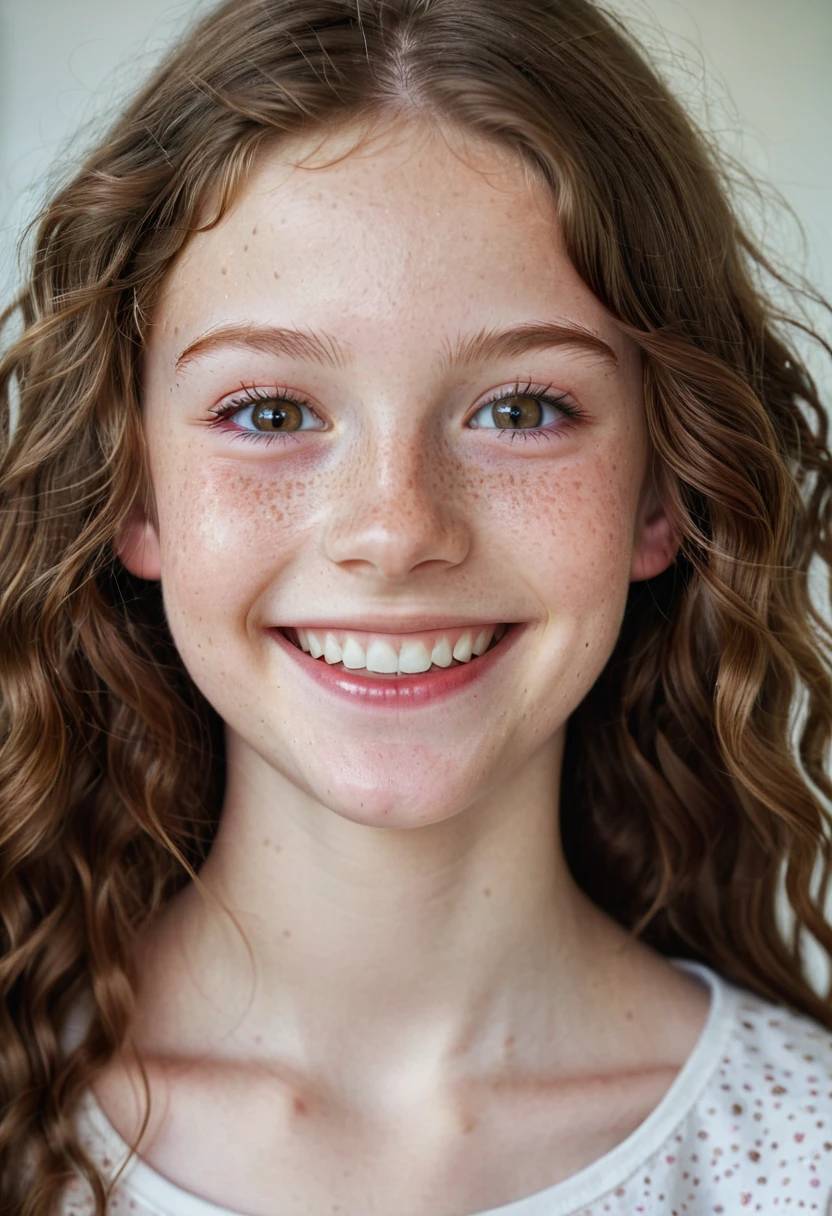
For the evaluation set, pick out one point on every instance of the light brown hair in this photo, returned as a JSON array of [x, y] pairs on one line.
[[690, 787]]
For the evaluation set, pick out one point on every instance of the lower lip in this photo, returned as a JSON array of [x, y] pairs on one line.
[[404, 692]]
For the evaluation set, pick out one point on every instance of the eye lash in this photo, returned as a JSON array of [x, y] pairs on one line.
[[251, 395], [529, 432], [262, 436], [530, 389], [558, 401]]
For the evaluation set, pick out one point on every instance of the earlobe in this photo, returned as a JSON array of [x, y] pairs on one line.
[[656, 545], [137, 544]]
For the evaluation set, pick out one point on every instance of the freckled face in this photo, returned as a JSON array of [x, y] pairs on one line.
[[388, 498]]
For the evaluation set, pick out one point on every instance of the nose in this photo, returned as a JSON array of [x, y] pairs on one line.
[[396, 509]]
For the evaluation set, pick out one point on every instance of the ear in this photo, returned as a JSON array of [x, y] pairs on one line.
[[656, 543], [137, 544]]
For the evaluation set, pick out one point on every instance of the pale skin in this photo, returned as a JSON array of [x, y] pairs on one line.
[[432, 1018]]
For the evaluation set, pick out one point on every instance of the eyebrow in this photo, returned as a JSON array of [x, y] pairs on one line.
[[325, 349], [519, 340], [271, 340]]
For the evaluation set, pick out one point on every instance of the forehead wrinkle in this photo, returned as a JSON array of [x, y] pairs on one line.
[[308, 345]]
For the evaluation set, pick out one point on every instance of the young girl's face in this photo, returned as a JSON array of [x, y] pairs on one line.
[[381, 405]]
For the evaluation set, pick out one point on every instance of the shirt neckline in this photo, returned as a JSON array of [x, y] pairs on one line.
[[589, 1184]]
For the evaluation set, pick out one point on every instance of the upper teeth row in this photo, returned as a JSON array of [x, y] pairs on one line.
[[410, 658]]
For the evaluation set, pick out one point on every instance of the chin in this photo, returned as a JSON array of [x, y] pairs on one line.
[[389, 801]]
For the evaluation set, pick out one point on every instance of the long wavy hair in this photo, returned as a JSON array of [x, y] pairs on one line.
[[694, 785]]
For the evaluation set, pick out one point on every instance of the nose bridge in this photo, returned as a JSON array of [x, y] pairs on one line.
[[395, 507], [402, 469]]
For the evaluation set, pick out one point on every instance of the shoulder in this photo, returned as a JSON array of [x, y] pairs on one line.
[[776, 1068], [746, 1125], [787, 1054], [110, 1156], [760, 1132]]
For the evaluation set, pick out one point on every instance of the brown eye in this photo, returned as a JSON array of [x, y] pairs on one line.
[[517, 412], [277, 416]]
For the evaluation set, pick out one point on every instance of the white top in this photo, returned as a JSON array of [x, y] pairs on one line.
[[745, 1126]]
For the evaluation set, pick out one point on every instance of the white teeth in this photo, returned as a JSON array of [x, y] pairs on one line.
[[332, 651], [441, 653], [353, 654], [463, 648], [315, 647], [482, 641], [381, 657], [413, 658]]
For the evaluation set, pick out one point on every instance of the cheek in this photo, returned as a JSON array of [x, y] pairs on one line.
[[224, 533], [567, 532], [569, 525]]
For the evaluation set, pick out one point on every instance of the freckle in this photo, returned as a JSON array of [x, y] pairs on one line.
[[276, 275], [245, 248], [267, 842], [629, 1015], [254, 231], [224, 270], [287, 933], [486, 890]]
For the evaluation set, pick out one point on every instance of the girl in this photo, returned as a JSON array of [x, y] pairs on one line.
[[408, 502]]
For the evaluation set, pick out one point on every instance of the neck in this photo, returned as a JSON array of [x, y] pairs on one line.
[[403, 955]]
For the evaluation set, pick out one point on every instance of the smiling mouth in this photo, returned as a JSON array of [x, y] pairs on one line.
[[390, 657]]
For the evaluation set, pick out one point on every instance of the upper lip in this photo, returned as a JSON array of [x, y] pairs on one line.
[[414, 623]]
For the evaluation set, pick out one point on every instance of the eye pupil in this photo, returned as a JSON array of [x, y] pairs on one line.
[[277, 416], [517, 412]]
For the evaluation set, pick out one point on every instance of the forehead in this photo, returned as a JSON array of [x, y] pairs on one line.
[[404, 228]]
